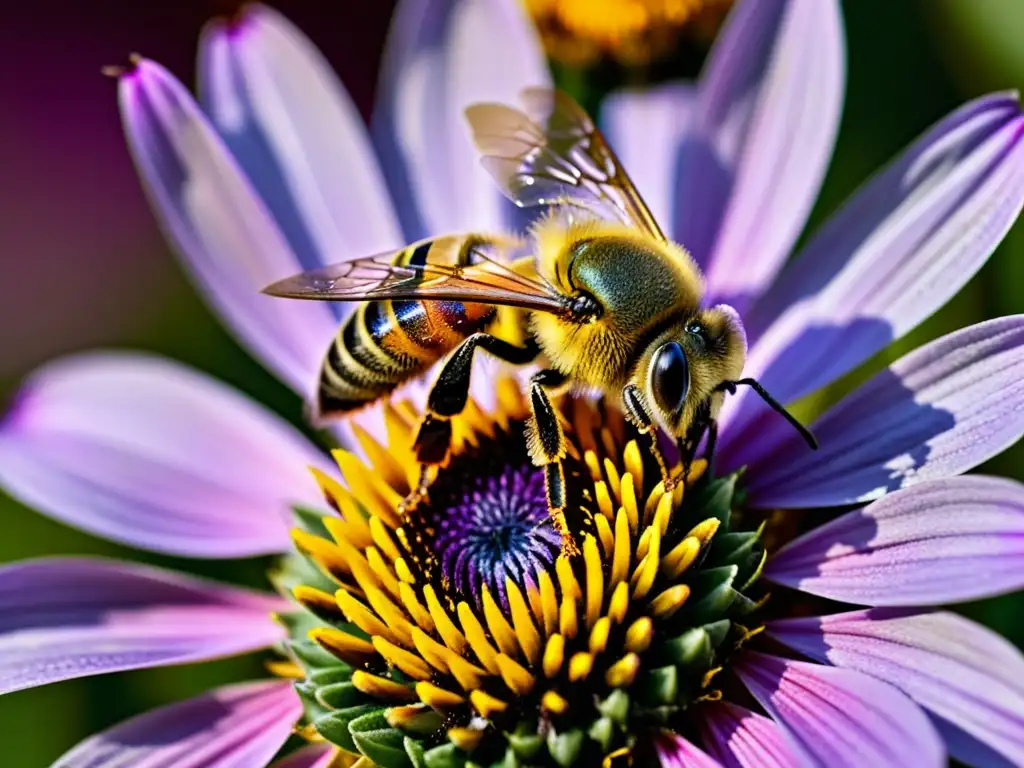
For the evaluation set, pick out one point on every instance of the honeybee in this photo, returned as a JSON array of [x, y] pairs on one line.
[[597, 293]]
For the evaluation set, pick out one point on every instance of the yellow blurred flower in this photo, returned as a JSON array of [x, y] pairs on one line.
[[632, 32]]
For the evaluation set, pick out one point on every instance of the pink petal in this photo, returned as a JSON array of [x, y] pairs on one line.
[[241, 726], [144, 451], [676, 752], [739, 738], [936, 412], [942, 541], [902, 247], [837, 717], [769, 107], [970, 679], [647, 130], [63, 618], [222, 231], [442, 56], [311, 756], [296, 133]]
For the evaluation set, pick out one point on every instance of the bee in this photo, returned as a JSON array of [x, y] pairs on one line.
[[597, 294]]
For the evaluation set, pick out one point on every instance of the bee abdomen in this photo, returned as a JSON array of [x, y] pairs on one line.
[[385, 343]]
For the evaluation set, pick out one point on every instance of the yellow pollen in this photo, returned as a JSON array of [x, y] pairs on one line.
[[554, 655], [466, 739], [670, 601], [381, 687], [623, 672], [579, 666], [619, 603], [438, 698], [595, 580], [526, 633], [553, 703], [599, 635], [639, 635], [486, 704], [516, 677], [445, 626], [411, 664], [501, 630], [352, 650]]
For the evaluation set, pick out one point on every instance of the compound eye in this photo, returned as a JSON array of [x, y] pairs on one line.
[[670, 377]]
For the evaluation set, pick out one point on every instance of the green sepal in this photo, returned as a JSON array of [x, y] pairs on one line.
[[525, 741], [414, 749], [376, 739], [297, 623], [658, 686], [339, 674], [615, 706], [756, 574], [311, 708], [445, 756], [510, 760], [295, 570], [715, 587], [717, 631], [602, 731], [310, 655], [311, 521], [742, 606], [339, 695], [733, 548], [564, 748], [716, 501], [334, 725], [692, 650]]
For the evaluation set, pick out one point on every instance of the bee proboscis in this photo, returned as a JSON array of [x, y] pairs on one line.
[[597, 294]]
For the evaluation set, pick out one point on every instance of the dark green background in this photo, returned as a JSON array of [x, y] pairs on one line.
[[909, 64]]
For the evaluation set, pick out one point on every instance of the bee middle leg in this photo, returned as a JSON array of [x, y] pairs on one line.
[[636, 413], [547, 448], [448, 397]]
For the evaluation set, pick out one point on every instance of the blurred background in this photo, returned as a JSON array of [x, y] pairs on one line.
[[84, 265]]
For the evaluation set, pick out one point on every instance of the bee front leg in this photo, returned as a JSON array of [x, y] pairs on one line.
[[546, 445], [639, 417], [447, 398]]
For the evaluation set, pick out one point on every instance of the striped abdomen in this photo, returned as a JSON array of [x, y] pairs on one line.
[[384, 343]]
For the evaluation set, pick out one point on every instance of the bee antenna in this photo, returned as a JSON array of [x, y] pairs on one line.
[[805, 433]]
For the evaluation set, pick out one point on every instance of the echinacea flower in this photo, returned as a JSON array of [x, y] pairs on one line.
[[433, 641]]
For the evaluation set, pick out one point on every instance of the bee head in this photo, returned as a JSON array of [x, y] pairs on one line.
[[684, 367]]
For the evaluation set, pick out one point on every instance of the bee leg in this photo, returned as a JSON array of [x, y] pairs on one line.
[[638, 416], [546, 445], [447, 398]]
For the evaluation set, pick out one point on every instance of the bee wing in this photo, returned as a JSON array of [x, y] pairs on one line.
[[479, 276], [551, 153]]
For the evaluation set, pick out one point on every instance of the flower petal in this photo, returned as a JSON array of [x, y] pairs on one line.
[[739, 738], [969, 678], [310, 756], [837, 717], [939, 542], [62, 618], [769, 107], [240, 725], [938, 411], [902, 247], [444, 55], [144, 451], [647, 130], [296, 133], [221, 229], [676, 752]]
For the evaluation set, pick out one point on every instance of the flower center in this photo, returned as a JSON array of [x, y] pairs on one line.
[[491, 526], [463, 633]]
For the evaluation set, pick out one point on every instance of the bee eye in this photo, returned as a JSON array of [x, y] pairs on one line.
[[670, 376]]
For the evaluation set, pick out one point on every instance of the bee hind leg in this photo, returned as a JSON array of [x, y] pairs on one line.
[[547, 448], [447, 399]]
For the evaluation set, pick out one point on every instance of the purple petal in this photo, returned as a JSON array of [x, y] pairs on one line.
[[739, 738], [63, 618], [942, 541], [224, 234], [676, 752], [837, 717], [144, 451], [646, 129], [232, 727], [311, 756], [901, 248], [938, 411], [768, 112], [969, 678], [443, 56], [296, 133]]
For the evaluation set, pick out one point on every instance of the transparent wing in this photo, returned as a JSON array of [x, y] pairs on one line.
[[451, 268], [551, 153]]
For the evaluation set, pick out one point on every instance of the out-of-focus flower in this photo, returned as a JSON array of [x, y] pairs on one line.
[[661, 617], [632, 32]]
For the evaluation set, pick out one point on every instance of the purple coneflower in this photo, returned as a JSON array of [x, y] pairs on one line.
[[466, 638]]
